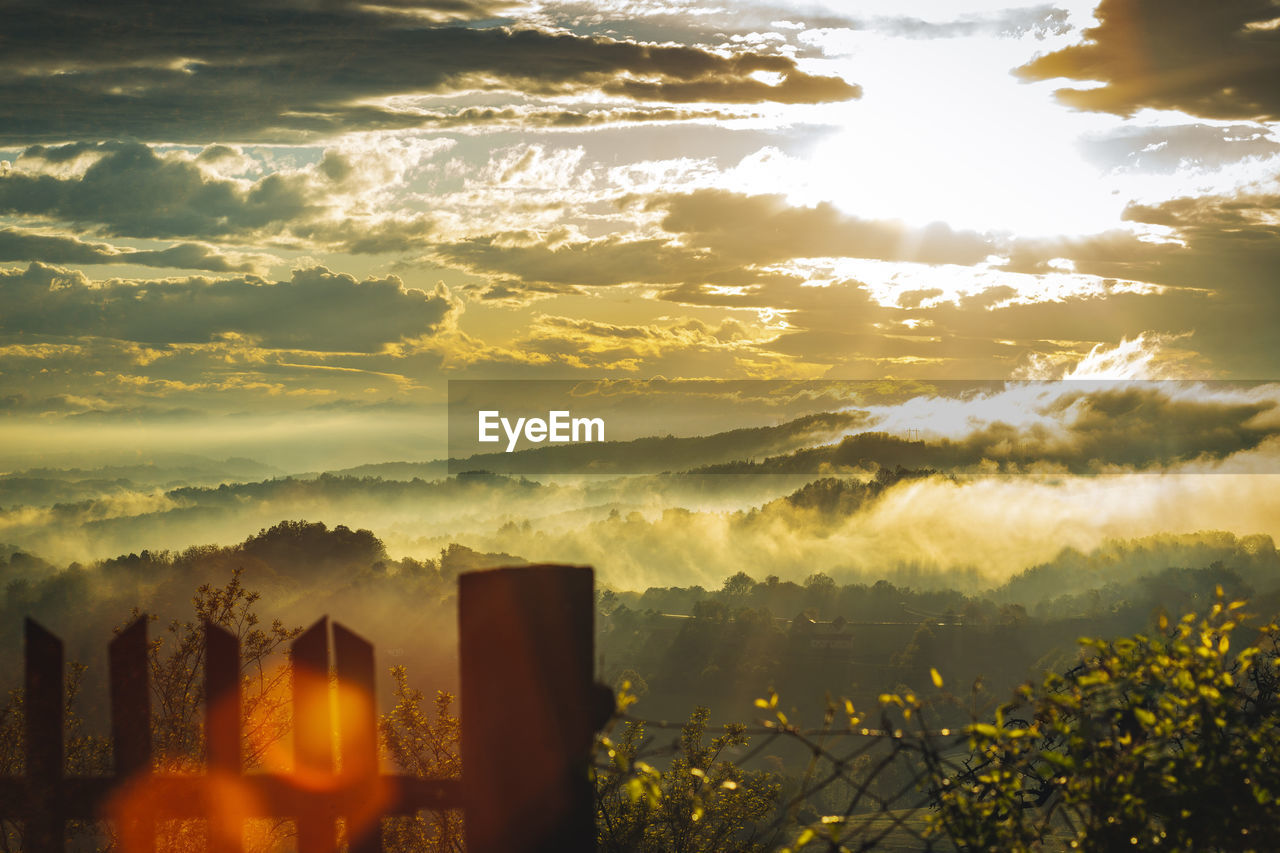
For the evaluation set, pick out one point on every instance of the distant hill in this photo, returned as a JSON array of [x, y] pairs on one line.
[[49, 486], [433, 470], [658, 454]]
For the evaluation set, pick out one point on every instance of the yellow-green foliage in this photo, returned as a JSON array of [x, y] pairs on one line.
[[700, 802], [1167, 742], [424, 745]]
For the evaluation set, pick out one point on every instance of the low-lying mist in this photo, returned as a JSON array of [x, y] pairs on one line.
[[1006, 479]]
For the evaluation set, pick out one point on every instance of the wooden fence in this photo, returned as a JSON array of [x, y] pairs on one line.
[[530, 708]]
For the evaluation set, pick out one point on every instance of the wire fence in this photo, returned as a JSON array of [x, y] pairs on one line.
[[527, 633], [857, 788]]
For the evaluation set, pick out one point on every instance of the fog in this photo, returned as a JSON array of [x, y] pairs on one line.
[[1006, 477]]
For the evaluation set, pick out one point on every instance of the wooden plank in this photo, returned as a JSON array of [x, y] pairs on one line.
[[43, 706], [412, 794], [529, 708], [313, 735], [130, 700], [222, 702], [136, 797], [131, 732], [358, 736]]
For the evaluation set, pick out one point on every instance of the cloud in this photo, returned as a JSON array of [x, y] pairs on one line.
[[794, 88], [1229, 245], [285, 71], [340, 203], [1207, 268], [652, 346], [1147, 356], [526, 118], [168, 196], [715, 237], [315, 310], [1245, 217], [1167, 150], [1081, 426], [1217, 60], [21, 245], [92, 398], [992, 527], [524, 259], [761, 229], [1210, 258], [1039, 21], [1137, 425], [1084, 426], [1049, 298]]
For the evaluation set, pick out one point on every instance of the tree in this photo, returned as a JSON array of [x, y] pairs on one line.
[[85, 754], [177, 672], [738, 586], [1165, 741], [176, 660], [424, 747], [701, 803], [819, 591]]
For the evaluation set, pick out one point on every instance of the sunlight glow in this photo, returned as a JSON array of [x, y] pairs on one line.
[[967, 145]]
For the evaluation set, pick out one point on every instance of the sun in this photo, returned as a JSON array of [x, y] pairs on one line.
[[945, 133]]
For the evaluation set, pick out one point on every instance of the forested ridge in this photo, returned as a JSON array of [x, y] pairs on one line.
[[703, 656]]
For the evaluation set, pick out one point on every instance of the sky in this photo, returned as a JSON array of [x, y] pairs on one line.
[[278, 229]]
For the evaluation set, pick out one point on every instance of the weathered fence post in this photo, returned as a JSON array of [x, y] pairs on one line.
[[358, 793], [46, 824], [358, 737], [224, 753], [127, 667], [530, 708], [313, 733]]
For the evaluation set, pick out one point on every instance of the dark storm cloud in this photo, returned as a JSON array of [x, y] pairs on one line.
[[19, 245], [315, 309], [1218, 60], [168, 196], [289, 70]]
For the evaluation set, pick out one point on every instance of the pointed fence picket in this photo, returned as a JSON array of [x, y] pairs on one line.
[[530, 708]]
